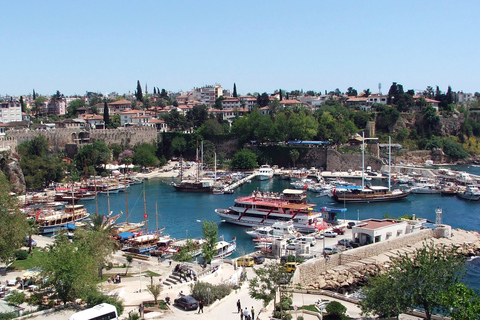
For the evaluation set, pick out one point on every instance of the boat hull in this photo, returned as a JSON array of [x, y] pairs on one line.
[[345, 198]]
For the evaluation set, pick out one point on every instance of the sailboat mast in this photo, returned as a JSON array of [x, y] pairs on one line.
[[126, 198], [145, 208], [215, 161], [363, 159], [156, 215], [389, 160], [96, 192]]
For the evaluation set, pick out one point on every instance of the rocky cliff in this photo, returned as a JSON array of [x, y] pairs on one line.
[[10, 166]]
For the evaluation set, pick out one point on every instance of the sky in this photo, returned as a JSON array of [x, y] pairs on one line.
[[261, 46]]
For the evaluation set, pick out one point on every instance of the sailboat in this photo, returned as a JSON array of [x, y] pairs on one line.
[[197, 185], [128, 226], [365, 194]]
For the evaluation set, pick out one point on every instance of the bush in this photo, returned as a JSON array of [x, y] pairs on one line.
[[98, 298], [16, 298], [21, 255], [199, 291], [6, 316], [335, 308], [282, 315]]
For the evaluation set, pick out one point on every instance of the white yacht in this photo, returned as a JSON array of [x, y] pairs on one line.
[[265, 172]]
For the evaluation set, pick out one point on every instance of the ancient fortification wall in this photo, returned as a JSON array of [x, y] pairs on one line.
[[58, 138]]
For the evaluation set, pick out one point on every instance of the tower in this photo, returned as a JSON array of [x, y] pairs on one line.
[[438, 219], [379, 88]]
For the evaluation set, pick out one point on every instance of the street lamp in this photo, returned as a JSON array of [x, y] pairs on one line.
[[140, 290]]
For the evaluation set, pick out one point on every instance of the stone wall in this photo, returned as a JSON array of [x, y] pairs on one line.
[[333, 274], [59, 138], [344, 161]]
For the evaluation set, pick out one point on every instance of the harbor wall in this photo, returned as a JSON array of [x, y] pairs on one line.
[[352, 267], [60, 137]]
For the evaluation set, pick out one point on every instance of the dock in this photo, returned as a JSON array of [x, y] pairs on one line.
[[240, 182]]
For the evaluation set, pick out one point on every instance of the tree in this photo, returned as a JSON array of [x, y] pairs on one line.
[[13, 225], [138, 92], [415, 280], [197, 115], [34, 95], [244, 159], [106, 115], [366, 93], [235, 90], [351, 92], [294, 154], [263, 100], [154, 290], [179, 145], [95, 154], [145, 155], [336, 309], [70, 269], [210, 234], [265, 285], [74, 105]]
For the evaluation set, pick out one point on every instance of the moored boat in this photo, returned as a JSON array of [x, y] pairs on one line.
[[470, 192], [368, 194], [50, 221], [225, 248], [265, 172], [266, 208]]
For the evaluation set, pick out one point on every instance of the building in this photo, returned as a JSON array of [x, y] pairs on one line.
[[208, 94], [118, 107], [10, 111], [378, 230], [134, 117]]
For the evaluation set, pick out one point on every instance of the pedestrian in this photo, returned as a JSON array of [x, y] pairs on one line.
[[239, 306], [245, 313], [200, 306], [252, 311]]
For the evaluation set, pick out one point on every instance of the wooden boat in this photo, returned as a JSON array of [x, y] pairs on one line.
[[50, 221]]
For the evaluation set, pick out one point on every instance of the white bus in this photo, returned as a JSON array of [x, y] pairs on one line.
[[102, 311]]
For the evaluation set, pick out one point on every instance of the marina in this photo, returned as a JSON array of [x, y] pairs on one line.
[[182, 213]]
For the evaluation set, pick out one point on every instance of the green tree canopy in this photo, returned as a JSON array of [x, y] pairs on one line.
[[73, 106], [95, 154], [145, 155], [415, 280], [13, 226], [210, 234], [244, 159]]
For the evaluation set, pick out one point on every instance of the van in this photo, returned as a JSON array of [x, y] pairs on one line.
[[245, 262], [310, 240], [290, 267]]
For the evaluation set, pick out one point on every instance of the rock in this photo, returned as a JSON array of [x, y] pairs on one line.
[[11, 168]]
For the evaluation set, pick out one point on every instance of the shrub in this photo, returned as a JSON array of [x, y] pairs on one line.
[[21, 255], [17, 298], [335, 308], [217, 292], [98, 298], [282, 315]]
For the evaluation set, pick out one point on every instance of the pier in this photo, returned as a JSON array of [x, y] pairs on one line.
[[240, 182]]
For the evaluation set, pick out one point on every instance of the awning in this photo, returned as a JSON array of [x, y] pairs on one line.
[[126, 235]]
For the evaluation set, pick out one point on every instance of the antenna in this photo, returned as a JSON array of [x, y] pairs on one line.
[[379, 88]]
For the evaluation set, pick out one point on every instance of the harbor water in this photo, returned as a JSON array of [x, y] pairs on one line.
[[182, 213]]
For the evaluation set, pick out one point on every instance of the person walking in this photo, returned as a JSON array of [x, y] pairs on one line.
[[252, 311], [239, 306], [200, 306]]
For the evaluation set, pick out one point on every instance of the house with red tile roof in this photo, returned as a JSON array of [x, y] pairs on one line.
[[116, 107]]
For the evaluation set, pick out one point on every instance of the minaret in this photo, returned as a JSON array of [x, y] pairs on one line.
[[146, 89]]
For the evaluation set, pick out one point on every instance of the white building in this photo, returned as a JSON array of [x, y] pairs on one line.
[[10, 111], [208, 94], [378, 230]]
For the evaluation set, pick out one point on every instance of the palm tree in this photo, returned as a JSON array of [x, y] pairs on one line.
[[294, 154]]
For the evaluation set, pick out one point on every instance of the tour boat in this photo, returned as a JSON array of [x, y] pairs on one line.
[[50, 221], [266, 208], [225, 248], [470, 192], [265, 172], [280, 229]]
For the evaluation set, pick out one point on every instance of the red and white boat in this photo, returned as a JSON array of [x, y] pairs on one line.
[[266, 208]]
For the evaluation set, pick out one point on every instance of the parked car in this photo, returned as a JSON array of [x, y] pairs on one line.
[[345, 242], [311, 240], [350, 225], [27, 242], [245, 262], [319, 236], [258, 259], [330, 250], [339, 231], [290, 267], [186, 302], [291, 246], [330, 234]]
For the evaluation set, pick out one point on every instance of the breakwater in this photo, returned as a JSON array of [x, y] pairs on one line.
[[345, 271]]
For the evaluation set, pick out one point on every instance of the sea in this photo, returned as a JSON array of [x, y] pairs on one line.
[[181, 214]]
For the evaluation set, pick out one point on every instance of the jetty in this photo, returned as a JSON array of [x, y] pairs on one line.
[[240, 182]]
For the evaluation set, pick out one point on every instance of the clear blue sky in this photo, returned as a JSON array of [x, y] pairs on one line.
[[105, 46]]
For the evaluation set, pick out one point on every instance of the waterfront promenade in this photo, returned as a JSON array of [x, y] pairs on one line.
[[129, 288]]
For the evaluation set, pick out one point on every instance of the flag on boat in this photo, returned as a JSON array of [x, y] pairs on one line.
[[234, 239]]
